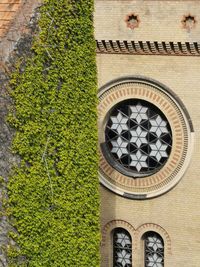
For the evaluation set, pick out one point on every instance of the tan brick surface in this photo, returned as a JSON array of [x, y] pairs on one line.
[[177, 212], [159, 20]]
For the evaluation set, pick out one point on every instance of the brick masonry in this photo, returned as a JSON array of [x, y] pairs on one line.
[[176, 212], [180, 135], [175, 215]]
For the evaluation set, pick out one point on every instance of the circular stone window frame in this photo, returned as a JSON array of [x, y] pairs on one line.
[[174, 110], [113, 160]]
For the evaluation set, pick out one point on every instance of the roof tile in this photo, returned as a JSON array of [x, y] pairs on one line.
[[8, 10]]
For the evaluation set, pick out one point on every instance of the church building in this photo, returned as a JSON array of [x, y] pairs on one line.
[[148, 62], [149, 90]]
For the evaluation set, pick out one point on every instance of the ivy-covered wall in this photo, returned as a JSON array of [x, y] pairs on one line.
[[53, 196]]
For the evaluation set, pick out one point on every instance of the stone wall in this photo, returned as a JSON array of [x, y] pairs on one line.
[[17, 25]]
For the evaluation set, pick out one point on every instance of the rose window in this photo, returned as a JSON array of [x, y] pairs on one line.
[[138, 138]]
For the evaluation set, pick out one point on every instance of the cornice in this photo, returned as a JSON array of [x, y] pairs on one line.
[[148, 48]]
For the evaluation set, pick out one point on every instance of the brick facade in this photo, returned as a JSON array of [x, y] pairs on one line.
[[164, 28], [176, 212]]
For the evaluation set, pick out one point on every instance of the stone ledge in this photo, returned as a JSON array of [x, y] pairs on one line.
[[148, 48]]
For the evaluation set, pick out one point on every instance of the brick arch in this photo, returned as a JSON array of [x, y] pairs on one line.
[[114, 224], [141, 230]]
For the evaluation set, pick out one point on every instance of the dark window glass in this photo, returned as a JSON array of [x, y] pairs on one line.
[[122, 248], [154, 250], [138, 138]]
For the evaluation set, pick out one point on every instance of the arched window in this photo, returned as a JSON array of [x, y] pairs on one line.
[[122, 248], [153, 250]]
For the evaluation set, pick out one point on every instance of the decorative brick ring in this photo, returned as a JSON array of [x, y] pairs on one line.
[[145, 137]]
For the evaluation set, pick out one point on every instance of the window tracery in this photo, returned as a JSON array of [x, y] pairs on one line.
[[154, 250], [122, 248], [138, 137]]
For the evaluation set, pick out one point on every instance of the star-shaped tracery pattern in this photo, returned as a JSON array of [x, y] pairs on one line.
[[138, 160], [139, 113], [154, 261], [154, 242], [158, 126], [122, 244], [123, 239], [123, 258], [119, 147], [119, 123], [158, 150], [138, 137], [154, 250]]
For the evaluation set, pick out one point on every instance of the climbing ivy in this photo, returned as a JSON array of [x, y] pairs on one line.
[[53, 190]]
